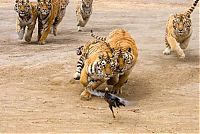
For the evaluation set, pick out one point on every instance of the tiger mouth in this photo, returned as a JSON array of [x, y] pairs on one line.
[[121, 73], [87, 5], [45, 13], [181, 33]]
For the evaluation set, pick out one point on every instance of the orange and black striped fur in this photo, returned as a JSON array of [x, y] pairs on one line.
[[96, 66], [83, 13], [26, 18], [178, 32], [61, 14], [48, 11], [125, 52]]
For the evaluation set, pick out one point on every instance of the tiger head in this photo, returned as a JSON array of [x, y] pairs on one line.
[[64, 4], [123, 60], [181, 24], [104, 65], [23, 7], [87, 3], [44, 7]]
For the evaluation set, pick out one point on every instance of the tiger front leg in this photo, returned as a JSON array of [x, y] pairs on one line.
[[81, 22], [117, 88], [20, 30], [167, 50], [113, 80], [45, 31], [89, 85], [56, 23], [86, 94], [40, 28], [184, 44], [175, 47], [29, 32]]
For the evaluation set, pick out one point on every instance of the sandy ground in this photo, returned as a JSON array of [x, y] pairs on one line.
[[163, 91]]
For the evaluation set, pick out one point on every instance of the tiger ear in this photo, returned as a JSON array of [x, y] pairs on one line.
[[16, 1]]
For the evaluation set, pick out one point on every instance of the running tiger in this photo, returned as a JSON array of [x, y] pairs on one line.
[[125, 52], [83, 13], [178, 32], [48, 11], [58, 19], [97, 67], [26, 17]]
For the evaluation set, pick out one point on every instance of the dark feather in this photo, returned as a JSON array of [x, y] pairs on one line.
[[114, 101]]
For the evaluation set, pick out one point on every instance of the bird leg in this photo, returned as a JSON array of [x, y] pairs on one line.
[[110, 106]]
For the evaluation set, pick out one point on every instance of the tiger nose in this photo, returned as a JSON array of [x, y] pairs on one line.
[[180, 28]]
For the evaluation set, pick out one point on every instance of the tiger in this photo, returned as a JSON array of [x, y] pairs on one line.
[[97, 67], [48, 13], [26, 17], [125, 52], [60, 16], [178, 32], [83, 13]]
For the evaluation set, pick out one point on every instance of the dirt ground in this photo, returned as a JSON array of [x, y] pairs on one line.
[[163, 91]]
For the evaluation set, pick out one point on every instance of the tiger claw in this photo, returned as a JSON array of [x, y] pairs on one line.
[[167, 51], [55, 31], [85, 95]]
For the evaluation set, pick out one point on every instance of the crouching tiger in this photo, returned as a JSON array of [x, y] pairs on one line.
[[96, 64], [178, 32], [125, 52], [26, 17], [125, 55]]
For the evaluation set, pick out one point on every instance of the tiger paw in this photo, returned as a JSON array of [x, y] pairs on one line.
[[167, 51], [85, 95], [55, 32], [41, 42], [28, 39], [182, 56], [20, 36], [79, 29], [116, 91]]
